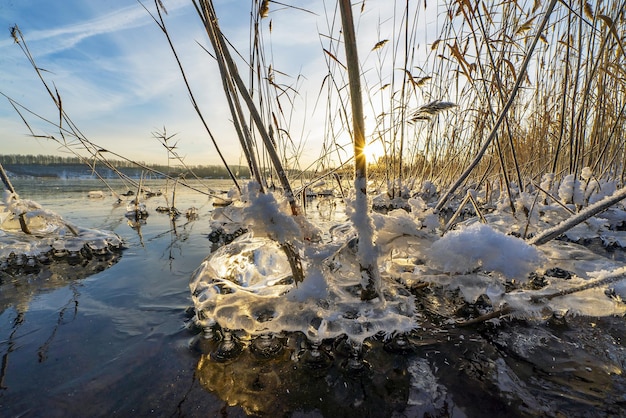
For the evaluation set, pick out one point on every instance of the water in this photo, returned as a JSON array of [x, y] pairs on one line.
[[113, 342], [117, 342]]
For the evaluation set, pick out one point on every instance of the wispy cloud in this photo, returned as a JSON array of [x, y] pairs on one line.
[[62, 38]]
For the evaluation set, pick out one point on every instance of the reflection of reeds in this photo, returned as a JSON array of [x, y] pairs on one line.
[[11, 345], [42, 351]]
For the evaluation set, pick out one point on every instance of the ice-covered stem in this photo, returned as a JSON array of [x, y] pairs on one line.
[[7, 184], [582, 216], [362, 221], [5, 180], [295, 263], [521, 76], [610, 278], [264, 217]]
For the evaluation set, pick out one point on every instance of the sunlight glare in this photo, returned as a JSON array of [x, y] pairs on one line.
[[373, 151]]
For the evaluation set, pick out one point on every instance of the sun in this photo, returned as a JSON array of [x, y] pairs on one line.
[[373, 151]]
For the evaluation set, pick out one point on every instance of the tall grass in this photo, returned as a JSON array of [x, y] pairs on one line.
[[569, 108], [539, 87]]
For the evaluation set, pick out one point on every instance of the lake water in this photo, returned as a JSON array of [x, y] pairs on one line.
[[116, 343]]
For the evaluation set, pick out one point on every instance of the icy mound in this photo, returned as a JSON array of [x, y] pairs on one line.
[[247, 285], [513, 277], [31, 236], [482, 246]]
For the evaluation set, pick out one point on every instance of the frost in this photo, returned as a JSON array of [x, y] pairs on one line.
[[421, 212], [267, 218], [547, 182], [481, 246], [586, 173], [570, 191], [603, 190], [395, 223], [248, 285]]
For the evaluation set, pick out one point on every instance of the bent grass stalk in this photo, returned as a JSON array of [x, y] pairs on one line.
[[70, 136], [580, 217], [161, 24]]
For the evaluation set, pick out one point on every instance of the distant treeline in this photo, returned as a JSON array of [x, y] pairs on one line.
[[57, 166]]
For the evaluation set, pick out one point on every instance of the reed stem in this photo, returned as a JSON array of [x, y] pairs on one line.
[[521, 76], [363, 223]]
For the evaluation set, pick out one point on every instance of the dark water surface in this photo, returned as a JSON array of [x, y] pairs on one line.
[[113, 343]]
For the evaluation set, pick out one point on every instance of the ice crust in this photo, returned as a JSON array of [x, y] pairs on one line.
[[248, 285], [48, 234]]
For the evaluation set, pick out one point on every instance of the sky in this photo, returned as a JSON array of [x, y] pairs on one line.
[[119, 82]]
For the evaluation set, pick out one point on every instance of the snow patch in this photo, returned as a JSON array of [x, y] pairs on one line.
[[480, 246]]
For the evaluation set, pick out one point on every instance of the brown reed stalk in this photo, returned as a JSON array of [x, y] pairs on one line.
[[161, 24], [212, 27], [365, 228], [6, 180], [209, 18]]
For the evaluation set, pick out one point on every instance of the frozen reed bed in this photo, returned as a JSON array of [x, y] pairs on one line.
[[475, 313], [247, 284]]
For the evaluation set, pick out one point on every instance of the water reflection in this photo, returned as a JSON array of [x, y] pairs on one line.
[[19, 286], [72, 307], [121, 351], [302, 377], [17, 322], [572, 366]]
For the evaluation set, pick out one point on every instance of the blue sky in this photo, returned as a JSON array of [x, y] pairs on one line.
[[119, 82]]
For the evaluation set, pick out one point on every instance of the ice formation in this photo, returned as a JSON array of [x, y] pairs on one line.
[[31, 235], [247, 283]]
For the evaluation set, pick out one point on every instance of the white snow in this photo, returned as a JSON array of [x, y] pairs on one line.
[[479, 245]]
